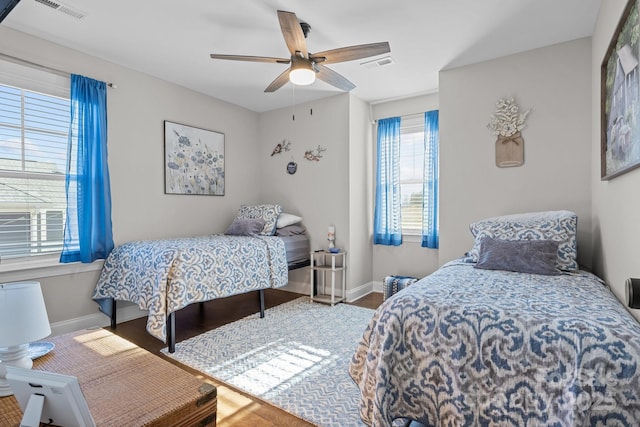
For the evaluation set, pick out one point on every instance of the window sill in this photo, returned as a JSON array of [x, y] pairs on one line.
[[47, 267], [414, 239], [411, 238]]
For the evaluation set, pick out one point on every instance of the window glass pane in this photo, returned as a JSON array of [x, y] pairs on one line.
[[10, 148], [33, 151], [412, 207], [43, 203], [45, 152], [54, 226], [46, 112], [14, 233], [10, 100], [411, 156], [411, 172]]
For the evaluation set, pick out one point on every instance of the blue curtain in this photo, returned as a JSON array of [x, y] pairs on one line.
[[387, 228], [430, 237], [87, 233]]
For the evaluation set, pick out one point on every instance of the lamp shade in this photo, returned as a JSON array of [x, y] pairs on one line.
[[23, 315], [302, 72]]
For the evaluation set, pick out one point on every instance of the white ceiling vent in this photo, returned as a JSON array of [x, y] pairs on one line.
[[63, 8], [380, 62]]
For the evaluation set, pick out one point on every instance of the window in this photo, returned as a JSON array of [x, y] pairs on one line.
[[34, 124], [407, 180]]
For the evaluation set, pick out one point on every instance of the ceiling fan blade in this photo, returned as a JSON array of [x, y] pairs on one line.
[[251, 58], [334, 79], [292, 32], [350, 53], [280, 81]]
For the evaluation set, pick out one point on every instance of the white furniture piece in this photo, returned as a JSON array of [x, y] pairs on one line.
[[333, 263], [23, 319]]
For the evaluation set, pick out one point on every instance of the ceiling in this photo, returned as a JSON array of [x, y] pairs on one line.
[[172, 40]]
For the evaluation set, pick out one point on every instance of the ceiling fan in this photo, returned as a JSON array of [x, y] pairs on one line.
[[306, 66]]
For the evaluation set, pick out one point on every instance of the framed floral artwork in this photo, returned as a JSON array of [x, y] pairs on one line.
[[620, 98], [193, 160]]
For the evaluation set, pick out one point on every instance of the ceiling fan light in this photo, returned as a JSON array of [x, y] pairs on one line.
[[302, 74]]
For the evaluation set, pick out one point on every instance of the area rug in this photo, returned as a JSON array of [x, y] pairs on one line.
[[295, 358]]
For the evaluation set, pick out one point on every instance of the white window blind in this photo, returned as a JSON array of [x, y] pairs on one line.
[[411, 172], [34, 124]]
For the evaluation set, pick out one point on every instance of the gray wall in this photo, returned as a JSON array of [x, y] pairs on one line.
[[615, 205], [331, 191], [554, 81], [360, 200], [319, 190]]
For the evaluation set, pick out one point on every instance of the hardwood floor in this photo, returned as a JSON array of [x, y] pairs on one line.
[[234, 407]]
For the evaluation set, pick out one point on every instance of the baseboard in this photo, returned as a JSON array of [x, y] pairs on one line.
[[297, 287], [97, 320], [130, 312], [359, 292], [378, 287], [363, 290], [352, 294]]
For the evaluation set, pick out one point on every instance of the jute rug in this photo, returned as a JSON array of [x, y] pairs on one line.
[[295, 358]]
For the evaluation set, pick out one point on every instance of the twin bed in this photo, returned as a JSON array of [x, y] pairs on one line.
[[513, 334], [164, 276]]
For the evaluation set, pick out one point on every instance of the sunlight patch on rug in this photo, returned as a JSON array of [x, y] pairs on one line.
[[271, 369], [296, 358]]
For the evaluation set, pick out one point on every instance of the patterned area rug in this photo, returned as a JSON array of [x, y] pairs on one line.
[[296, 358]]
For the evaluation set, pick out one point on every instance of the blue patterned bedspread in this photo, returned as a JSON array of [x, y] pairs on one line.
[[471, 347], [163, 276]]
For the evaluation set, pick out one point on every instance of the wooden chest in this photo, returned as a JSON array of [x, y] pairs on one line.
[[124, 385]]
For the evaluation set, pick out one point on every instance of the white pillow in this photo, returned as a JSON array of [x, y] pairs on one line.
[[286, 219]]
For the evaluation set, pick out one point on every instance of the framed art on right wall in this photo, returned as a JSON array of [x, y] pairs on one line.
[[620, 98]]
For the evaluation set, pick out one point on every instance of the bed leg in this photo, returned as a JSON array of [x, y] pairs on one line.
[[113, 313], [261, 295], [171, 332]]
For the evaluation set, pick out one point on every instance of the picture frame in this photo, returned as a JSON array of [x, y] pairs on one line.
[[620, 98], [49, 397], [194, 160]]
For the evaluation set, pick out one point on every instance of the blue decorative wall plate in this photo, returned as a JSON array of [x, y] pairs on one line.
[[292, 167]]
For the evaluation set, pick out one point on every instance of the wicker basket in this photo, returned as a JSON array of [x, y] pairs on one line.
[[393, 284]]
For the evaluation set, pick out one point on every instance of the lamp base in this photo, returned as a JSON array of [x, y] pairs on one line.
[[332, 243], [17, 356]]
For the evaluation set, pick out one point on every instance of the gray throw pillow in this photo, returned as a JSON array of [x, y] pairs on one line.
[[245, 227], [523, 256]]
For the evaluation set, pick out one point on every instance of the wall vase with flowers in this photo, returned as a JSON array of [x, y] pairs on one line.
[[507, 124]]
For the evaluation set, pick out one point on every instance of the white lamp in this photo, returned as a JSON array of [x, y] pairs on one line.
[[23, 319], [331, 236], [302, 72]]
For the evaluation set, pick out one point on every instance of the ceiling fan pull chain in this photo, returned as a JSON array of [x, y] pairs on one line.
[[293, 103]]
